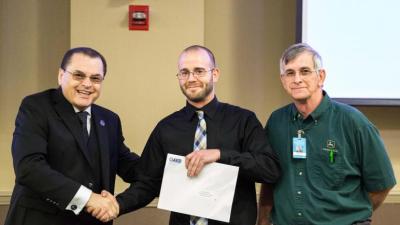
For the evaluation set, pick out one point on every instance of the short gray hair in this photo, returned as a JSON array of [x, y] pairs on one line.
[[294, 50]]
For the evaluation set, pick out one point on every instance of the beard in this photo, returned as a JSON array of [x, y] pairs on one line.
[[200, 96]]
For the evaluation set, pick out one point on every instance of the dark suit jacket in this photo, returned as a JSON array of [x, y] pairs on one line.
[[50, 162]]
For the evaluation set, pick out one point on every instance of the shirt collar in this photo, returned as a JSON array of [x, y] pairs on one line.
[[317, 113], [88, 110], [209, 110]]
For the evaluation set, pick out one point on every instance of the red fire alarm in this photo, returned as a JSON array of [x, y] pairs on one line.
[[138, 17]]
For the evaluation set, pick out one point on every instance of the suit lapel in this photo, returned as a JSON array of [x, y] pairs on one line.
[[102, 133], [71, 121]]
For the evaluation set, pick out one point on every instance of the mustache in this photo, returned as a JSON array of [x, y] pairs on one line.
[[193, 84]]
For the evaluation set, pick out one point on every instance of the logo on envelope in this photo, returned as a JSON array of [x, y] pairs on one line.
[[175, 160]]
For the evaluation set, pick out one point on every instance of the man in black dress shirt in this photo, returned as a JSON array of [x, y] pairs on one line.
[[234, 137]]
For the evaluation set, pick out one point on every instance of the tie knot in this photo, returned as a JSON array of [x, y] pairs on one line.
[[200, 114], [83, 117]]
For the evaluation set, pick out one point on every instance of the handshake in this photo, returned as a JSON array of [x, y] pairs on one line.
[[103, 206]]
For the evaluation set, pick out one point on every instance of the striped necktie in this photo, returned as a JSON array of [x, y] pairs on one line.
[[200, 142]]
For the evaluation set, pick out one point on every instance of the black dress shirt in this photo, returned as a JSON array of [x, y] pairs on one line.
[[242, 142]]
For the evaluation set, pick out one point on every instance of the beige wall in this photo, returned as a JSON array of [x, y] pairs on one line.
[[248, 40], [33, 37], [141, 86]]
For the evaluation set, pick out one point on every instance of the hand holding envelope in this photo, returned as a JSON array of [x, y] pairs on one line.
[[196, 160], [208, 195]]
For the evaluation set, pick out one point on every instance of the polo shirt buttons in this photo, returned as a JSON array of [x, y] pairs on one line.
[[299, 192], [300, 173], [299, 214]]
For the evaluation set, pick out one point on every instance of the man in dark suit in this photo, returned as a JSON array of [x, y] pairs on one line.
[[66, 149]]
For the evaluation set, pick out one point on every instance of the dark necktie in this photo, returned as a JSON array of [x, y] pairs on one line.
[[200, 142], [83, 119]]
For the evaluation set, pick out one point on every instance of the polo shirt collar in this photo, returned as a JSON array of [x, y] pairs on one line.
[[317, 113], [323, 106]]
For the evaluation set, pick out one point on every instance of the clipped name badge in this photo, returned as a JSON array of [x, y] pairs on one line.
[[299, 148]]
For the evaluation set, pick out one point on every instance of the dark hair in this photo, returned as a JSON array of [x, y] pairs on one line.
[[86, 51], [209, 52]]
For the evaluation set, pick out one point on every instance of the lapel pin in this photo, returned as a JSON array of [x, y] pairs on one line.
[[102, 123]]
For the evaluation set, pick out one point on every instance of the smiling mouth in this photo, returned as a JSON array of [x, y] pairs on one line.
[[193, 86], [84, 92]]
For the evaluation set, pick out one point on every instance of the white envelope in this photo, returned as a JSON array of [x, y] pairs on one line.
[[208, 195]]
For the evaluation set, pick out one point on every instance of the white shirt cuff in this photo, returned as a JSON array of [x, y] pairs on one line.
[[80, 199]]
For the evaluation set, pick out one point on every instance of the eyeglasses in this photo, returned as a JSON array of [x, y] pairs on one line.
[[197, 72], [79, 76], [302, 72]]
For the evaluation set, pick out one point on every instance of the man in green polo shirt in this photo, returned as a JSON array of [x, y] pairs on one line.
[[335, 169]]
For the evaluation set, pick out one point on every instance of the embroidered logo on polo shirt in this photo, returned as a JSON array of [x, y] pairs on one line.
[[331, 148], [330, 144]]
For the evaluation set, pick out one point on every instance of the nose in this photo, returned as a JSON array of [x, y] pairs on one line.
[[297, 78], [87, 82], [191, 76]]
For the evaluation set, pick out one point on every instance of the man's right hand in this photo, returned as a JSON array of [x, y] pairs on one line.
[[104, 207], [196, 160], [265, 204]]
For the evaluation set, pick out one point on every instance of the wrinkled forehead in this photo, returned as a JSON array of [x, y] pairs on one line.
[[85, 63], [304, 59]]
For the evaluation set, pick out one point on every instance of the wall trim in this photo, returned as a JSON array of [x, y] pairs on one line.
[[5, 197], [393, 197]]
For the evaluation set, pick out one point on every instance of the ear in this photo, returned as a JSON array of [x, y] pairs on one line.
[[282, 80], [322, 76], [60, 75], [215, 74]]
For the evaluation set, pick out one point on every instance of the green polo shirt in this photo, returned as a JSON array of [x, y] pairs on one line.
[[323, 188]]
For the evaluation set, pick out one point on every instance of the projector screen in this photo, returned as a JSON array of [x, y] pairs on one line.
[[359, 42]]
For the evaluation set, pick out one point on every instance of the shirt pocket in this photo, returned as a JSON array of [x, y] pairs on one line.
[[323, 172]]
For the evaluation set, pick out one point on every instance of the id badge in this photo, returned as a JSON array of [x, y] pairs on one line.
[[299, 148]]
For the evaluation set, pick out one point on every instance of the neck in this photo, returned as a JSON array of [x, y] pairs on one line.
[[202, 103], [307, 106]]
